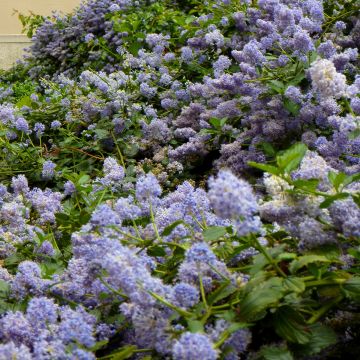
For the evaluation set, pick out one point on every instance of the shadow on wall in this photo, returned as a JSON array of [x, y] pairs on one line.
[[12, 49]]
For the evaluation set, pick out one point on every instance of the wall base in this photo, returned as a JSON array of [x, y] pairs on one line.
[[12, 49]]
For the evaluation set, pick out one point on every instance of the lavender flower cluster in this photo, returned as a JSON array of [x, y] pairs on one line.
[[247, 54], [140, 237], [101, 262]]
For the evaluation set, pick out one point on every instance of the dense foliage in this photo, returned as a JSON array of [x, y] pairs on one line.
[[181, 180]]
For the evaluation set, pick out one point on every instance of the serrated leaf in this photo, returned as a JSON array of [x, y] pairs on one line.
[[291, 326], [305, 260], [330, 251], [294, 284], [321, 337], [261, 298], [276, 353], [213, 233], [291, 158]]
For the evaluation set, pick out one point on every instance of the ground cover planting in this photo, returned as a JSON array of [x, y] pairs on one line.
[[181, 180]]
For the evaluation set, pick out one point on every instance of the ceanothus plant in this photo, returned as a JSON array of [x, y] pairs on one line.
[[181, 179]]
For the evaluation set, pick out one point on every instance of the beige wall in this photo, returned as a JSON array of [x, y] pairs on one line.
[[9, 24], [11, 49], [11, 42]]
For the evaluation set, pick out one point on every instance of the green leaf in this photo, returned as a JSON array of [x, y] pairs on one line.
[[101, 133], [267, 148], [305, 260], [292, 107], [286, 256], [229, 315], [236, 326], [351, 178], [354, 134], [213, 233], [291, 326], [354, 252], [330, 251], [190, 19], [308, 185], [294, 284], [131, 150], [356, 198], [217, 123], [340, 178], [291, 158], [277, 86], [98, 345], [276, 353], [313, 56], [336, 179], [321, 337], [297, 79], [195, 326], [134, 47], [221, 292], [260, 261], [168, 230], [264, 167], [261, 298], [24, 101], [4, 287], [156, 250], [83, 179], [352, 287], [126, 352], [330, 199]]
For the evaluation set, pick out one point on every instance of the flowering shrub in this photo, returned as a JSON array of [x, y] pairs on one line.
[[182, 179]]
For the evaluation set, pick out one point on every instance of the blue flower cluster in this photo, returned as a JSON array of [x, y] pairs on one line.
[[134, 218]]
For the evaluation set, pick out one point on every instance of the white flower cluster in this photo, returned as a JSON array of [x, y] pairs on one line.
[[276, 186], [326, 80]]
